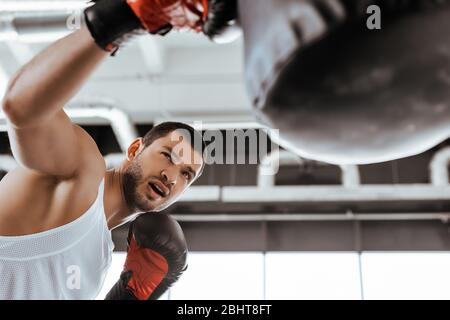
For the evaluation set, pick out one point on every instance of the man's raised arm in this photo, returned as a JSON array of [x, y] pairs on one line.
[[41, 135]]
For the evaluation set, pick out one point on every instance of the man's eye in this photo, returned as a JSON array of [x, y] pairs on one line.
[[168, 156], [187, 175]]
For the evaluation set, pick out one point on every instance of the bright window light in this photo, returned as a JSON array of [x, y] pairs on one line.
[[299, 275], [118, 259], [225, 276], [401, 275], [312, 276]]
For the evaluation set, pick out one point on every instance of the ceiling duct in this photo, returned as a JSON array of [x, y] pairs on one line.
[[38, 26]]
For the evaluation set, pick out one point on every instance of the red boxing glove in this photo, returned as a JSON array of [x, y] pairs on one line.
[[156, 258], [181, 14], [147, 268], [112, 22], [221, 24]]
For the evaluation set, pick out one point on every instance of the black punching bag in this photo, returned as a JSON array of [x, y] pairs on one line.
[[343, 93]]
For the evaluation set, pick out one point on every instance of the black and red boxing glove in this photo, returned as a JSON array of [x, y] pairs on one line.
[[111, 22], [221, 24], [156, 258]]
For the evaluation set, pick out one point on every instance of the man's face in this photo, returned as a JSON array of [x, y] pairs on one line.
[[160, 173]]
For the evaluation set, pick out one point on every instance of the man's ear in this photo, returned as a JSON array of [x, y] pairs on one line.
[[135, 148]]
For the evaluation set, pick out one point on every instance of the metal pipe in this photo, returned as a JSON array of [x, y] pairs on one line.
[[41, 5], [439, 167], [7, 163], [42, 26], [444, 217], [119, 120], [267, 167], [333, 193], [121, 123], [349, 173], [201, 194], [244, 125]]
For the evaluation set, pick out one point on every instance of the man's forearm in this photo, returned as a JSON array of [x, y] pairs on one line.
[[44, 85]]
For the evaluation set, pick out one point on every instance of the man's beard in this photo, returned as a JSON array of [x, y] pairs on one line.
[[131, 178]]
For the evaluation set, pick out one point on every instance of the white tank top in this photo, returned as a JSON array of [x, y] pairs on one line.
[[68, 262]]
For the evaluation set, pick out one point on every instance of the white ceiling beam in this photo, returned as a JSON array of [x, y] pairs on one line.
[[391, 216], [36, 5], [335, 193], [153, 53], [3, 81]]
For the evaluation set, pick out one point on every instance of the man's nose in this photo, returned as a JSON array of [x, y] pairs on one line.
[[170, 176]]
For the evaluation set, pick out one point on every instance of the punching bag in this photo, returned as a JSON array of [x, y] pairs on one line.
[[341, 91]]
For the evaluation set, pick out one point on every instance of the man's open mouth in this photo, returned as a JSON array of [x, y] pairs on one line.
[[157, 189]]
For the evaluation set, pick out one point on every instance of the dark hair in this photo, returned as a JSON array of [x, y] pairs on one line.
[[163, 129], [220, 14]]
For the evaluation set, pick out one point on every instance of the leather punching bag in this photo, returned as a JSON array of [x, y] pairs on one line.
[[343, 93]]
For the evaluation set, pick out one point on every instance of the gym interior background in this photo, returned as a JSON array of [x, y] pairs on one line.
[[313, 231]]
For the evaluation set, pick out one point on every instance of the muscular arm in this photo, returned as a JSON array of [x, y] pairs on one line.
[[41, 135]]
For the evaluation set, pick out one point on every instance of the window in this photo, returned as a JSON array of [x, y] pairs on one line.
[[221, 276], [300, 275], [404, 275], [312, 276], [118, 259]]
